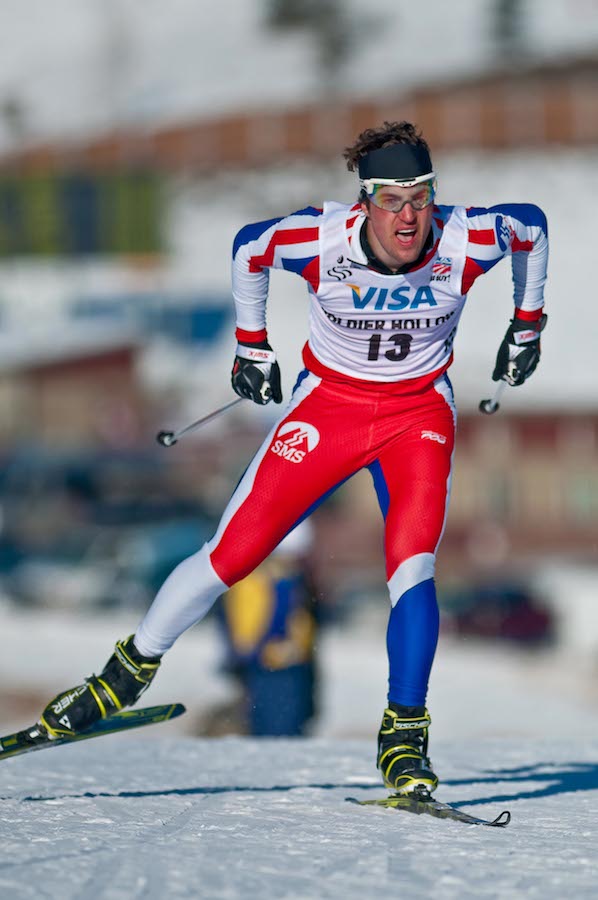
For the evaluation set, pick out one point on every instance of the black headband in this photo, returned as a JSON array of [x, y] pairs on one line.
[[400, 161]]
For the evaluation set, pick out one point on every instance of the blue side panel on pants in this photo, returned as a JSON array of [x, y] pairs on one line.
[[411, 641], [380, 486]]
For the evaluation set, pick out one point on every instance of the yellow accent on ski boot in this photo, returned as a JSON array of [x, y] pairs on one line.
[[402, 750], [124, 678]]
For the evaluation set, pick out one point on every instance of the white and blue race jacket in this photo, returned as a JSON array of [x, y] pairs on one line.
[[386, 327]]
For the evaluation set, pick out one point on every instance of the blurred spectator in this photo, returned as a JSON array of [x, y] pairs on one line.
[[268, 622]]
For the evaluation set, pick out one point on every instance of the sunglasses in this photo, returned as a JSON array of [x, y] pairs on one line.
[[392, 195]]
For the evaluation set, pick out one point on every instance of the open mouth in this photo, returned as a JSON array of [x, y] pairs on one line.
[[406, 236]]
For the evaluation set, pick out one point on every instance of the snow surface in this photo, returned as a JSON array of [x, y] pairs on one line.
[[165, 814], [240, 818]]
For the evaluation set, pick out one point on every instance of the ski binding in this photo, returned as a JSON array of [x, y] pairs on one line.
[[420, 802], [35, 737]]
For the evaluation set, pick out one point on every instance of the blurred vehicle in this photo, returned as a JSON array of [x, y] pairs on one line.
[[511, 612], [93, 529], [121, 567], [102, 487]]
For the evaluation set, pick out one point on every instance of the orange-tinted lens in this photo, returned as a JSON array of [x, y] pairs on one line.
[[393, 199]]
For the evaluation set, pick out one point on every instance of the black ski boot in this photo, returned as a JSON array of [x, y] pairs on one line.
[[402, 750], [124, 678]]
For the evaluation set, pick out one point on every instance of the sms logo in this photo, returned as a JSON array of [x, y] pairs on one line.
[[301, 438]]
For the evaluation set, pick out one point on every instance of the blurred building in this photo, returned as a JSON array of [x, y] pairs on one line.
[[532, 105], [126, 215], [65, 389], [525, 489]]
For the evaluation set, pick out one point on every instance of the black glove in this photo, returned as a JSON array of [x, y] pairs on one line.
[[519, 353], [256, 375]]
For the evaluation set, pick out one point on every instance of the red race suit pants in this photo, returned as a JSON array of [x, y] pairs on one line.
[[329, 431]]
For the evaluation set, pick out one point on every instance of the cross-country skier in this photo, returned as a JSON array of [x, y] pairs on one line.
[[387, 277]]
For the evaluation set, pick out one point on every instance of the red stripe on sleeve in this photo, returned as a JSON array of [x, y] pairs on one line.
[[280, 239], [482, 236], [521, 245]]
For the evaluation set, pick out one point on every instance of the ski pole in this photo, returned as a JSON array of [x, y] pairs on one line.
[[492, 405], [168, 438]]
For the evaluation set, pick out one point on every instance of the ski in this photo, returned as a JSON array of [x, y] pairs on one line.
[[35, 739], [432, 807]]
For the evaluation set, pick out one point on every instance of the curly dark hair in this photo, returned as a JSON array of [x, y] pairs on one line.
[[376, 138]]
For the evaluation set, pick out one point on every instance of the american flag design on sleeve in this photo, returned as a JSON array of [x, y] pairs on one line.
[[290, 243], [516, 228]]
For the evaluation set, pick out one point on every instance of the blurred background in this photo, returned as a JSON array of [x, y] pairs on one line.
[[135, 141]]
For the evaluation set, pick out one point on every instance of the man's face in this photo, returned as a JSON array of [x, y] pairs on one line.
[[397, 238]]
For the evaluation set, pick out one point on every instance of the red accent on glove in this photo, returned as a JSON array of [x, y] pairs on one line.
[[528, 316], [251, 337]]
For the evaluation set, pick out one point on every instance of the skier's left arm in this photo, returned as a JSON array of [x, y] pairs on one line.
[[523, 229], [518, 229]]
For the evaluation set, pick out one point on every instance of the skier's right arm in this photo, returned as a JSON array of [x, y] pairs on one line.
[[289, 243]]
